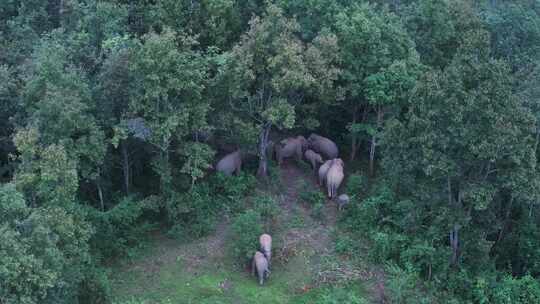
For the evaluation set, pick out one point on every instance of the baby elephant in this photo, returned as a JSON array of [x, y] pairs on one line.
[[314, 158], [265, 245], [231, 163], [342, 201], [260, 263]]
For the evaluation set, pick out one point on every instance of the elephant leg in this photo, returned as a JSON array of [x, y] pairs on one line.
[[329, 186]]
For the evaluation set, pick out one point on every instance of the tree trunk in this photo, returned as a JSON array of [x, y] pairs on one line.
[[100, 194], [354, 137], [454, 243], [453, 236], [100, 191], [505, 221], [374, 143], [125, 166], [263, 144]]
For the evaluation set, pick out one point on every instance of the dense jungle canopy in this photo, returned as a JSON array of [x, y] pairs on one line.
[[114, 113]]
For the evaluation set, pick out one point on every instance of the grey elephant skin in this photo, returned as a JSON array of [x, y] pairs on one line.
[[260, 264], [230, 163], [289, 147], [314, 158], [334, 177], [323, 145], [323, 170], [342, 201], [265, 245]]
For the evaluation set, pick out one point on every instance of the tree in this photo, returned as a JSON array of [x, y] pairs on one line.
[[169, 78], [44, 251], [379, 65], [467, 140], [267, 74], [59, 117]]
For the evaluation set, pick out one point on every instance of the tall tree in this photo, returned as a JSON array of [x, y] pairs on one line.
[[268, 72], [379, 64], [169, 78], [467, 140]]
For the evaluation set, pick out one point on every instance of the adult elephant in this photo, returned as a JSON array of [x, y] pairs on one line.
[[289, 147], [323, 145], [230, 163], [334, 177], [259, 264]]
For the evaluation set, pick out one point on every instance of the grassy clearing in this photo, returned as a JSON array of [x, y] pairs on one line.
[[216, 283], [169, 271]]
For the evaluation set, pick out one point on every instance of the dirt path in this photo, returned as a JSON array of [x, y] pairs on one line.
[[319, 236]]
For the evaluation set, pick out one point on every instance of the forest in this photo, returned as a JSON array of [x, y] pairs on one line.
[[146, 145]]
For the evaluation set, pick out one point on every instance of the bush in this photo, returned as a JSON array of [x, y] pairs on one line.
[[230, 190], [317, 211], [312, 197], [267, 208], [357, 184], [401, 285], [119, 229], [345, 245], [246, 229], [193, 214]]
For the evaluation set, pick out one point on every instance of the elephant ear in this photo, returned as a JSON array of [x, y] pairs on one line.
[[280, 114]]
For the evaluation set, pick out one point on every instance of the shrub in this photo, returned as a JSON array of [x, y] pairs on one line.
[[231, 190], [267, 208], [317, 211], [357, 184], [119, 229], [401, 285], [312, 197], [246, 229], [345, 245], [193, 214]]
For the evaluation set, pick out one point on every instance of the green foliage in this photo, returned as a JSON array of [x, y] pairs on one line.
[[246, 229], [44, 252], [401, 285], [199, 158], [119, 229], [267, 207], [312, 197], [120, 106], [346, 245], [316, 200], [232, 189], [192, 214], [357, 183]]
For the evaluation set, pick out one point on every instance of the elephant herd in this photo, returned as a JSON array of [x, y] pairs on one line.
[[319, 152], [315, 149]]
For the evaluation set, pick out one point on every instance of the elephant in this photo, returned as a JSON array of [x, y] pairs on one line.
[[265, 242], [323, 145], [230, 163], [342, 201], [289, 147], [323, 170], [334, 177], [260, 263], [314, 158]]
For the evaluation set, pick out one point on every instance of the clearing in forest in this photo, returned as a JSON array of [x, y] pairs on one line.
[[305, 269]]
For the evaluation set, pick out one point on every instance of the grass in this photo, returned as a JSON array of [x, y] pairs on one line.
[[169, 271]]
